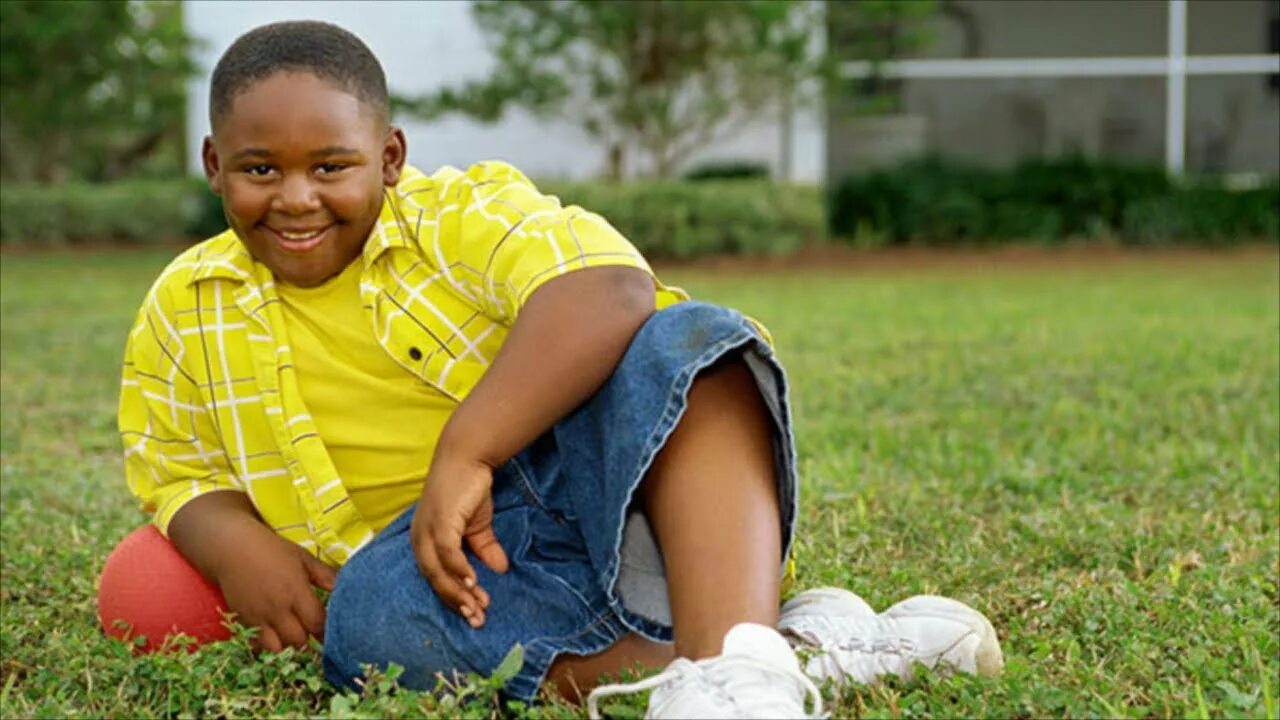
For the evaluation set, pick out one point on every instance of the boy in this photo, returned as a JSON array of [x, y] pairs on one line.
[[487, 412]]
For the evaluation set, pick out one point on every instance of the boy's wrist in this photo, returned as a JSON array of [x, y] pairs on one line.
[[212, 529], [458, 444], [243, 535]]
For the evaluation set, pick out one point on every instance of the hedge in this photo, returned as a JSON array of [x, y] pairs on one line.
[[135, 211], [675, 219], [924, 202], [683, 219], [933, 202]]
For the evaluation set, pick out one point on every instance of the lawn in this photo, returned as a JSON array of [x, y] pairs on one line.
[[1087, 453]]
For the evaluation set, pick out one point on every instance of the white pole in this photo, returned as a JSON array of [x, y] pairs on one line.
[[1130, 66], [1175, 121]]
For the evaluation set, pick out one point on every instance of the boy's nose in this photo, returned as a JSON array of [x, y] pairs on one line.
[[296, 196]]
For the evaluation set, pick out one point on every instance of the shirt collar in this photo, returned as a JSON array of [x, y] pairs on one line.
[[390, 229], [223, 257]]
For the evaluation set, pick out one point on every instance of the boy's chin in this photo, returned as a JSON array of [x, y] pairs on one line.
[[300, 275]]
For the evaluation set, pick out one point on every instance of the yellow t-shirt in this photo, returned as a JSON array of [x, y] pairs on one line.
[[379, 422]]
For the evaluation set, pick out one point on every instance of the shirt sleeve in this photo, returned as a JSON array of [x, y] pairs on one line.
[[171, 447], [508, 239]]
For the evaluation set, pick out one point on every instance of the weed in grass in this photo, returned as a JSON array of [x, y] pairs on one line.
[[1089, 455]]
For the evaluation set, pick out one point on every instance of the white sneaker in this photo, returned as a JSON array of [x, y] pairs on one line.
[[845, 640], [756, 675]]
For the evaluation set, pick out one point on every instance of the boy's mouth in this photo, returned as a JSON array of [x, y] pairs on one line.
[[300, 240]]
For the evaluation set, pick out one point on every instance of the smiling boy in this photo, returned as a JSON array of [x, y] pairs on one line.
[[487, 412]]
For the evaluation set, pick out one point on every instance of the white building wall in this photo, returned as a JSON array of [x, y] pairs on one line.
[[428, 45]]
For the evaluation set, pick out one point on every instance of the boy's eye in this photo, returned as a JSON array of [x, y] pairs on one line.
[[330, 168], [258, 170]]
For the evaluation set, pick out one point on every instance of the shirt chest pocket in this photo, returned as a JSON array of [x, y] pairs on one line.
[[434, 334]]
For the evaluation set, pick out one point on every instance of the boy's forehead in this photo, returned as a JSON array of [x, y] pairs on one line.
[[290, 96]]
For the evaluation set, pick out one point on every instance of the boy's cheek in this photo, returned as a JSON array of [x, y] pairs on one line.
[[243, 207]]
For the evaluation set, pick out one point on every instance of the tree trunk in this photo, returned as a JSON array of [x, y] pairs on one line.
[[615, 163], [786, 135]]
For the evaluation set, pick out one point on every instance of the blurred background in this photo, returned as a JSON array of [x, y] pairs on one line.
[[755, 127]]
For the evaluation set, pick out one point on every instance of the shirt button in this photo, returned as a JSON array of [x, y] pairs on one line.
[[415, 353]]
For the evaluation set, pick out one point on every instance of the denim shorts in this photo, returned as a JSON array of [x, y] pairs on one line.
[[584, 567]]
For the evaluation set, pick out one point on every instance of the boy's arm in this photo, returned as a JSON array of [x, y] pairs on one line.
[[567, 340], [174, 466]]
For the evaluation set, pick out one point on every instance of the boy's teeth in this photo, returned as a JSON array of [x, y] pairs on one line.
[[297, 236]]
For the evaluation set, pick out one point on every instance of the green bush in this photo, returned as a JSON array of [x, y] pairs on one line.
[[1205, 213], [665, 219], [934, 202], [135, 212], [207, 220], [681, 219]]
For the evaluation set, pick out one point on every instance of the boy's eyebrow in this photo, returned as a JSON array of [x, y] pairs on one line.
[[250, 152], [334, 150], [322, 152]]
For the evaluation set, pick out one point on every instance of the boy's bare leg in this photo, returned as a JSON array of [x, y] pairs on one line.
[[712, 501], [575, 675]]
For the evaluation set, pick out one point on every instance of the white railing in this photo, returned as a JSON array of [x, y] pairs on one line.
[[1175, 66]]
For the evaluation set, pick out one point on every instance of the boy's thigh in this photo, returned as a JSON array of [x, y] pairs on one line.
[[384, 611]]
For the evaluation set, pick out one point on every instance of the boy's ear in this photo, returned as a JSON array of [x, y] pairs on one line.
[[212, 168], [395, 149]]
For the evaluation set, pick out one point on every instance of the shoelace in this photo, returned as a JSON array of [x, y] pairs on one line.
[[680, 670], [829, 653], [878, 653], [893, 645]]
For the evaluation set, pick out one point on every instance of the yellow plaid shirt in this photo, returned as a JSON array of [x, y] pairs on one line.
[[209, 400]]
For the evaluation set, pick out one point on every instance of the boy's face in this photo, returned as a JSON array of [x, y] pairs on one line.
[[301, 164]]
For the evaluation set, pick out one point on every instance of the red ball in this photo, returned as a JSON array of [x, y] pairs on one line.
[[149, 589]]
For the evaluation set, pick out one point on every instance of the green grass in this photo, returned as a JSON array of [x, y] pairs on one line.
[[1088, 454]]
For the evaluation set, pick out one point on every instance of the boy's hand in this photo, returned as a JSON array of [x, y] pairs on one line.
[[268, 586], [265, 579], [456, 504]]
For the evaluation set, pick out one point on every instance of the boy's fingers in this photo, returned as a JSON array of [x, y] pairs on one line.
[[290, 631], [311, 613], [268, 640], [454, 560], [446, 585], [475, 598], [484, 543], [321, 575]]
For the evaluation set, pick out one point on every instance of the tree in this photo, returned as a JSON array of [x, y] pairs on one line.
[[879, 31], [91, 90], [663, 78]]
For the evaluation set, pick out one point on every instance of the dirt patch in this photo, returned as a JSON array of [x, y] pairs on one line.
[[844, 259]]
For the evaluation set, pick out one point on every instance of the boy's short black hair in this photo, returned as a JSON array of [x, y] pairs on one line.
[[321, 48]]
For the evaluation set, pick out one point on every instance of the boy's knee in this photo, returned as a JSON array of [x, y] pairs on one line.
[[689, 328], [371, 620], [691, 316], [352, 620]]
